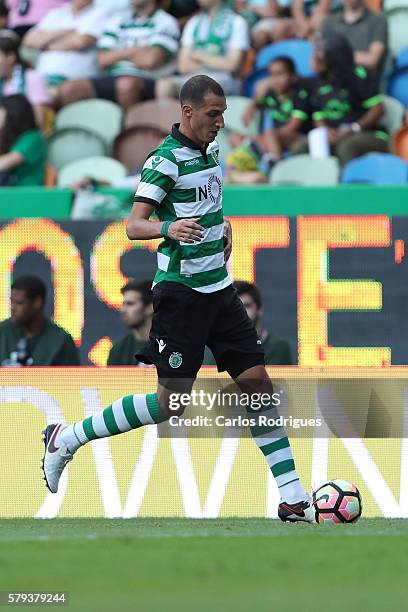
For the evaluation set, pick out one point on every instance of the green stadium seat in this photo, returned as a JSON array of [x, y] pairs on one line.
[[306, 170], [394, 114], [70, 144], [99, 168], [101, 116], [233, 117]]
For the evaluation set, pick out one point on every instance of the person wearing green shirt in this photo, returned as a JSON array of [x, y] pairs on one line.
[[23, 151], [137, 312], [277, 351], [28, 337]]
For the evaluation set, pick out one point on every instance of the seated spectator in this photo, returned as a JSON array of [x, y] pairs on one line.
[[344, 99], [4, 13], [277, 351], [214, 43], [255, 10], [28, 337], [283, 101], [67, 39], [366, 32], [23, 151], [305, 18], [16, 78], [137, 313], [25, 14], [133, 53]]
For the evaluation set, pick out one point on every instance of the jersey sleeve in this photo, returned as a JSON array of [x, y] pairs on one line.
[[159, 175], [166, 37]]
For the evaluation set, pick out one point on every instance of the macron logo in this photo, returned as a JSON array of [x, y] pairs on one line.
[[162, 345]]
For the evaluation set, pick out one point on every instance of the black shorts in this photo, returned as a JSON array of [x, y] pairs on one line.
[[105, 87], [185, 321]]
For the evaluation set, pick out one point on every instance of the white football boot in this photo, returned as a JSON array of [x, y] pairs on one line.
[[303, 511], [56, 455]]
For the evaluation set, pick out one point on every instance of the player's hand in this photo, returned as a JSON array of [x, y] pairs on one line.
[[186, 230], [227, 239]]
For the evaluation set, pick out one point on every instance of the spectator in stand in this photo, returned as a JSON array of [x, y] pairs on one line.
[[214, 43], [305, 18], [25, 14], [16, 77], [253, 11], [283, 101], [137, 313], [4, 13], [67, 39], [277, 351], [366, 32], [346, 100], [28, 337], [134, 53], [23, 151]]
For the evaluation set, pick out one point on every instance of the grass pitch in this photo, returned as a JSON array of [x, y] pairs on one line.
[[218, 565]]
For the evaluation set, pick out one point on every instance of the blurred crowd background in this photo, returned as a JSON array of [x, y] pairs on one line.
[[317, 90]]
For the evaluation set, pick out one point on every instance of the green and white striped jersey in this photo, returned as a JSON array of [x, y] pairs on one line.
[[158, 30], [183, 181]]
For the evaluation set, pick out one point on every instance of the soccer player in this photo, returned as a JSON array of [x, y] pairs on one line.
[[194, 303]]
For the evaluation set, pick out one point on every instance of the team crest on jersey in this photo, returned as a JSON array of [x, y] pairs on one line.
[[156, 160], [175, 360]]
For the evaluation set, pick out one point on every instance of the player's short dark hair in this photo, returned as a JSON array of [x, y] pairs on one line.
[[286, 61], [31, 285], [143, 287], [195, 89], [252, 290]]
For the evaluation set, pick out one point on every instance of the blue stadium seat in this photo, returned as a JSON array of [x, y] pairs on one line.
[[251, 81], [300, 51], [376, 168], [402, 59], [398, 85]]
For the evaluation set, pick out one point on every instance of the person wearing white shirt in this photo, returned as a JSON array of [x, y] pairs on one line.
[[214, 43], [134, 51], [66, 38]]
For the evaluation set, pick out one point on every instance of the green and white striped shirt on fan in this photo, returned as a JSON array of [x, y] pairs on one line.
[[183, 181]]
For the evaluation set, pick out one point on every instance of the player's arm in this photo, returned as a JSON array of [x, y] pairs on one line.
[[139, 226], [227, 239]]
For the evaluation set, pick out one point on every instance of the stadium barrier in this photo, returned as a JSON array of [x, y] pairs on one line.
[[146, 473]]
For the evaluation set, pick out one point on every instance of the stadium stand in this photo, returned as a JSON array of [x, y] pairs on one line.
[[398, 86], [376, 168], [70, 144], [157, 113], [133, 145], [97, 168], [300, 51], [306, 170], [101, 116]]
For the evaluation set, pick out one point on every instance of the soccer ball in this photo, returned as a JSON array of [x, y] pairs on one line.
[[337, 501]]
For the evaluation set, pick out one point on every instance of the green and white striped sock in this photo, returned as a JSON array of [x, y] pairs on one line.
[[274, 444], [126, 413]]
